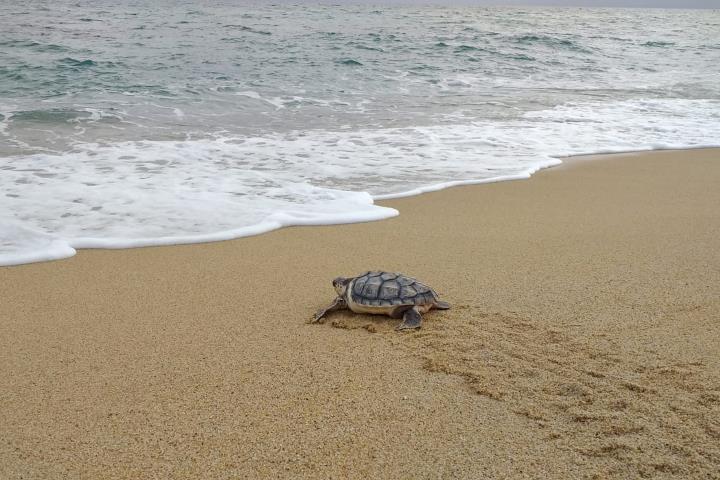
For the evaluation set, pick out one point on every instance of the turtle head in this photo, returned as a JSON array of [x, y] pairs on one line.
[[340, 284]]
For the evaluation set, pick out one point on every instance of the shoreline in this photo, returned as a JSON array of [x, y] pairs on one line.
[[582, 341], [61, 247]]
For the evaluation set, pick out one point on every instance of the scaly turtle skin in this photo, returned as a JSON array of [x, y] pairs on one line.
[[385, 293]]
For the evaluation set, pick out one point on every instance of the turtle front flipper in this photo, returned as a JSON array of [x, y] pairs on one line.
[[338, 304], [411, 319]]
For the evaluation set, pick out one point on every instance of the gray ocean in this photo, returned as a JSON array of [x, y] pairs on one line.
[[128, 123]]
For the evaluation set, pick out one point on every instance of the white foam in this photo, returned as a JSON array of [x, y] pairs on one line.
[[20, 245], [276, 102], [285, 101], [6, 112], [145, 193]]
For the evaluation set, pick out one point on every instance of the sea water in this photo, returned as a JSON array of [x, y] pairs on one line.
[[127, 123]]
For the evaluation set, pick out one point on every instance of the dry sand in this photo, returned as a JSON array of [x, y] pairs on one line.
[[583, 342]]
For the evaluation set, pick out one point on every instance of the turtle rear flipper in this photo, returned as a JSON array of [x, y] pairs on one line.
[[411, 320], [440, 305]]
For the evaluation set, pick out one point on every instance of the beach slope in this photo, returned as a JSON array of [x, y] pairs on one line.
[[584, 341]]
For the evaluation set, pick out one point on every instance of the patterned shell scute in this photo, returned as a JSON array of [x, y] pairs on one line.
[[383, 289]]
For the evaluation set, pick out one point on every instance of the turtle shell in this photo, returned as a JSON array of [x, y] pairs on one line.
[[382, 289]]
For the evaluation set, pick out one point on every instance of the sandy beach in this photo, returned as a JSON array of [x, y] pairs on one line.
[[583, 342]]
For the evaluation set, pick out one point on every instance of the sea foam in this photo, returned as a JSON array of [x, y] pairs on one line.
[[143, 193]]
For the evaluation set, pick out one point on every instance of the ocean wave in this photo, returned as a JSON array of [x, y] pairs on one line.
[[466, 48], [361, 46], [658, 44], [349, 61], [51, 116], [550, 41], [35, 46], [245, 28], [78, 63]]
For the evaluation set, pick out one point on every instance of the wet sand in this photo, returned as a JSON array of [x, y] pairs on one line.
[[583, 342]]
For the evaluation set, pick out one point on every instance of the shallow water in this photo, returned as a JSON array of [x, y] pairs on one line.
[[123, 124]]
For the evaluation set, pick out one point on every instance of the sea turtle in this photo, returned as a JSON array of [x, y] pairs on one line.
[[384, 293]]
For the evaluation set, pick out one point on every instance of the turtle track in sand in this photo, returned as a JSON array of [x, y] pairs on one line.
[[620, 418]]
